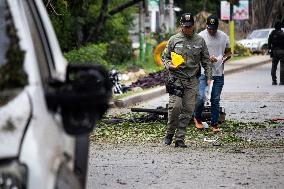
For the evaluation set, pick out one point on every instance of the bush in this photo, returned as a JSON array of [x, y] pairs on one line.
[[94, 54], [118, 53], [240, 50]]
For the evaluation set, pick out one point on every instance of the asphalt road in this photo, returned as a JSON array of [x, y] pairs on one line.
[[247, 96], [250, 96]]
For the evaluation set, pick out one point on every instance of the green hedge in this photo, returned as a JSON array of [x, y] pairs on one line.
[[119, 53], [94, 53], [240, 50]]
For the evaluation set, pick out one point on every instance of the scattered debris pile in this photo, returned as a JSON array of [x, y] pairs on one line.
[[144, 82], [152, 80]]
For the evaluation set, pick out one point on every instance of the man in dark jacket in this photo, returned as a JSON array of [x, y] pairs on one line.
[[276, 48]]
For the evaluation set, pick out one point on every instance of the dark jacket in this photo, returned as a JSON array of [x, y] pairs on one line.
[[276, 40]]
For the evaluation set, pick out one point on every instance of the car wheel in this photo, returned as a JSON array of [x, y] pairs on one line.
[[264, 49]]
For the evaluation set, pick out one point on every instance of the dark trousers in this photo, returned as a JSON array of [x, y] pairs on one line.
[[277, 56]]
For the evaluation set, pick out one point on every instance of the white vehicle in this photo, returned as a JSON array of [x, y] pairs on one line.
[[47, 107], [257, 40]]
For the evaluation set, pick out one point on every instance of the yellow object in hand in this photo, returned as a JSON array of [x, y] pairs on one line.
[[176, 59]]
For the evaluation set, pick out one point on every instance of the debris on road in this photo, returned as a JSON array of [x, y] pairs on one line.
[[210, 140]]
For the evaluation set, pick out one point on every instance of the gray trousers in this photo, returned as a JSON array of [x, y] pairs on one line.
[[180, 110]]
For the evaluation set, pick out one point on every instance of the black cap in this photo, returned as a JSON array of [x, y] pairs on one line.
[[186, 19], [212, 22]]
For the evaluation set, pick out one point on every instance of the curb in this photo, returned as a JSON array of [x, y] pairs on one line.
[[248, 66], [161, 90], [140, 97]]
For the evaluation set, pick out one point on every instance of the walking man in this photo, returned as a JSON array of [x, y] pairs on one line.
[[276, 48], [183, 87], [219, 50]]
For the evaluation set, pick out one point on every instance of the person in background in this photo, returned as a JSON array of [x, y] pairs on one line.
[[219, 50], [276, 49], [183, 88]]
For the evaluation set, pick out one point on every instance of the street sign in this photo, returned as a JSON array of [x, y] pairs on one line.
[[153, 4], [225, 10], [241, 12]]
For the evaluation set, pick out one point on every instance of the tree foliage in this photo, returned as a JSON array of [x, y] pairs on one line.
[[80, 22], [195, 6], [62, 21], [266, 12], [94, 54], [263, 13]]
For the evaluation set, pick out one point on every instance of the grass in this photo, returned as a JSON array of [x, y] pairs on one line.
[[233, 58], [132, 129]]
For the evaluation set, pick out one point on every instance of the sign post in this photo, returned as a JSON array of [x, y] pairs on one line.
[[232, 30], [234, 10]]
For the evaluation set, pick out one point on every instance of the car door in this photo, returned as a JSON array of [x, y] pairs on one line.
[[15, 103], [45, 136], [32, 134]]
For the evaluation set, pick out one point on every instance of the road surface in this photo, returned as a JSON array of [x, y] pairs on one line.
[[247, 96]]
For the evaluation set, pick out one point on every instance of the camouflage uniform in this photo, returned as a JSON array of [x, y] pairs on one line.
[[195, 53]]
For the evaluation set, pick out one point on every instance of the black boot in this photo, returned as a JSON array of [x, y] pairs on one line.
[[274, 82], [180, 143], [168, 139]]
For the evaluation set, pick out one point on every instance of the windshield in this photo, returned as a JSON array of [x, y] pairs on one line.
[[257, 34]]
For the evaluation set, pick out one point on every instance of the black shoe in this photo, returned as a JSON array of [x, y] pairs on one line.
[[274, 82], [168, 139], [180, 143]]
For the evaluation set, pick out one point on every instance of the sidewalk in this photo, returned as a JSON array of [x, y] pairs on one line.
[[230, 67]]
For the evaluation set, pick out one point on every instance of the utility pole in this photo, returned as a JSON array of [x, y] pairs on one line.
[[171, 15], [141, 32], [232, 28], [162, 13], [205, 5]]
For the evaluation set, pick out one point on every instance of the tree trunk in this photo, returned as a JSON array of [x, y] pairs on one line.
[[95, 30], [265, 12], [104, 13], [205, 2], [123, 6]]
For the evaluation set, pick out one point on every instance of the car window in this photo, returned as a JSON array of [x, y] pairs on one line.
[[257, 34], [13, 77], [43, 55], [3, 36]]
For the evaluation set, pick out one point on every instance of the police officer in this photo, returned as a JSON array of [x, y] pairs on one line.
[[276, 48], [194, 52]]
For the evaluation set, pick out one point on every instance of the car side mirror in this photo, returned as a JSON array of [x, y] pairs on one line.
[[82, 99]]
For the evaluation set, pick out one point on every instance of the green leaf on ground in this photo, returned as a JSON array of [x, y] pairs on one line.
[[136, 128]]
